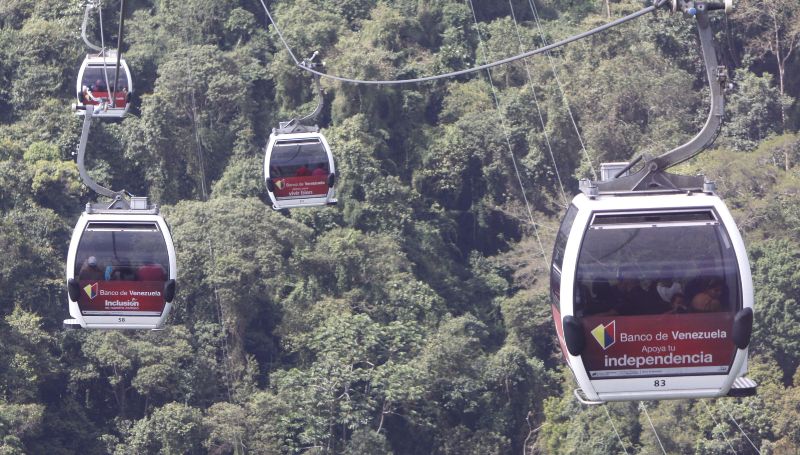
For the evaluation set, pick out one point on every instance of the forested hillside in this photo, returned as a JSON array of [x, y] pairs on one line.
[[413, 317]]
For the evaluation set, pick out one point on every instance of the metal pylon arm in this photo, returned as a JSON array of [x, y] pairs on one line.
[[302, 124], [652, 176], [90, 5], [87, 180], [717, 78]]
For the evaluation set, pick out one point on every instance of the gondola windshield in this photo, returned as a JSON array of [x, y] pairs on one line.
[[657, 294], [299, 168], [94, 86], [121, 269]]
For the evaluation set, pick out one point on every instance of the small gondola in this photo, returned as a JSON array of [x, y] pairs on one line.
[[299, 170], [121, 268], [96, 86], [650, 284], [298, 163]]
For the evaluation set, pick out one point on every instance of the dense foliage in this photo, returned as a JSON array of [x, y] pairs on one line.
[[411, 318]]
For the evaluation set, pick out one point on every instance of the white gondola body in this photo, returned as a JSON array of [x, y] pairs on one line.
[[299, 170], [127, 303], [103, 68], [644, 367]]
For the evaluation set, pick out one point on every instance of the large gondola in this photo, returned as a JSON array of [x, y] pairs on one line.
[[650, 283], [121, 268]]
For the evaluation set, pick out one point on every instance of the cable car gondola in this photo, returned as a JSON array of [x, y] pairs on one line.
[[121, 268], [298, 163], [299, 170], [121, 265], [104, 79], [96, 85], [650, 283]]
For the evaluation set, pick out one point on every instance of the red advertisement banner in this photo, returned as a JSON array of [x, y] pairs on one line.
[[660, 345], [298, 187], [121, 297]]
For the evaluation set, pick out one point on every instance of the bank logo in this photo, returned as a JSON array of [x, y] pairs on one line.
[[280, 184], [91, 290], [606, 335]]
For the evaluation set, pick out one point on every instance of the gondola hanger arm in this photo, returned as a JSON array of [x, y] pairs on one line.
[[87, 179], [90, 5]]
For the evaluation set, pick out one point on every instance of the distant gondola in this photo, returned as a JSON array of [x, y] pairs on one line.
[[299, 170], [96, 86]]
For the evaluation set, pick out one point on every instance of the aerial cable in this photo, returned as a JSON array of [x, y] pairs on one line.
[[561, 87], [611, 421], [119, 52], [103, 44], [504, 61], [716, 422], [538, 108], [482, 46], [741, 430], [647, 414]]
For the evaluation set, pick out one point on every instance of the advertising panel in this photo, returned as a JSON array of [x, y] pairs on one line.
[[134, 298], [659, 345], [301, 187]]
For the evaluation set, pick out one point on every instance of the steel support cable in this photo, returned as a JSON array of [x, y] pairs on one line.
[[482, 46], [538, 108], [561, 87], [103, 44], [611, 421], [716, 422], [504, 61], [647, 414], [727, 411], [119, 53]]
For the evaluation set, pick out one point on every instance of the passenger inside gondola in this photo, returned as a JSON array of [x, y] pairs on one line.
[[90, 270], [319, 170], [678, 304], [709, 299], [302, 171]]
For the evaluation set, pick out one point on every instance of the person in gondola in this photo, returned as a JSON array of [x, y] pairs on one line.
[[709, 300], [678, 303], [88, 96], [319, 170], [303, 171], [667, 286], [90, 271]]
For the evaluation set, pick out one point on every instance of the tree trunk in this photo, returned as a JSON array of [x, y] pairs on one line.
[[781, 68]]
